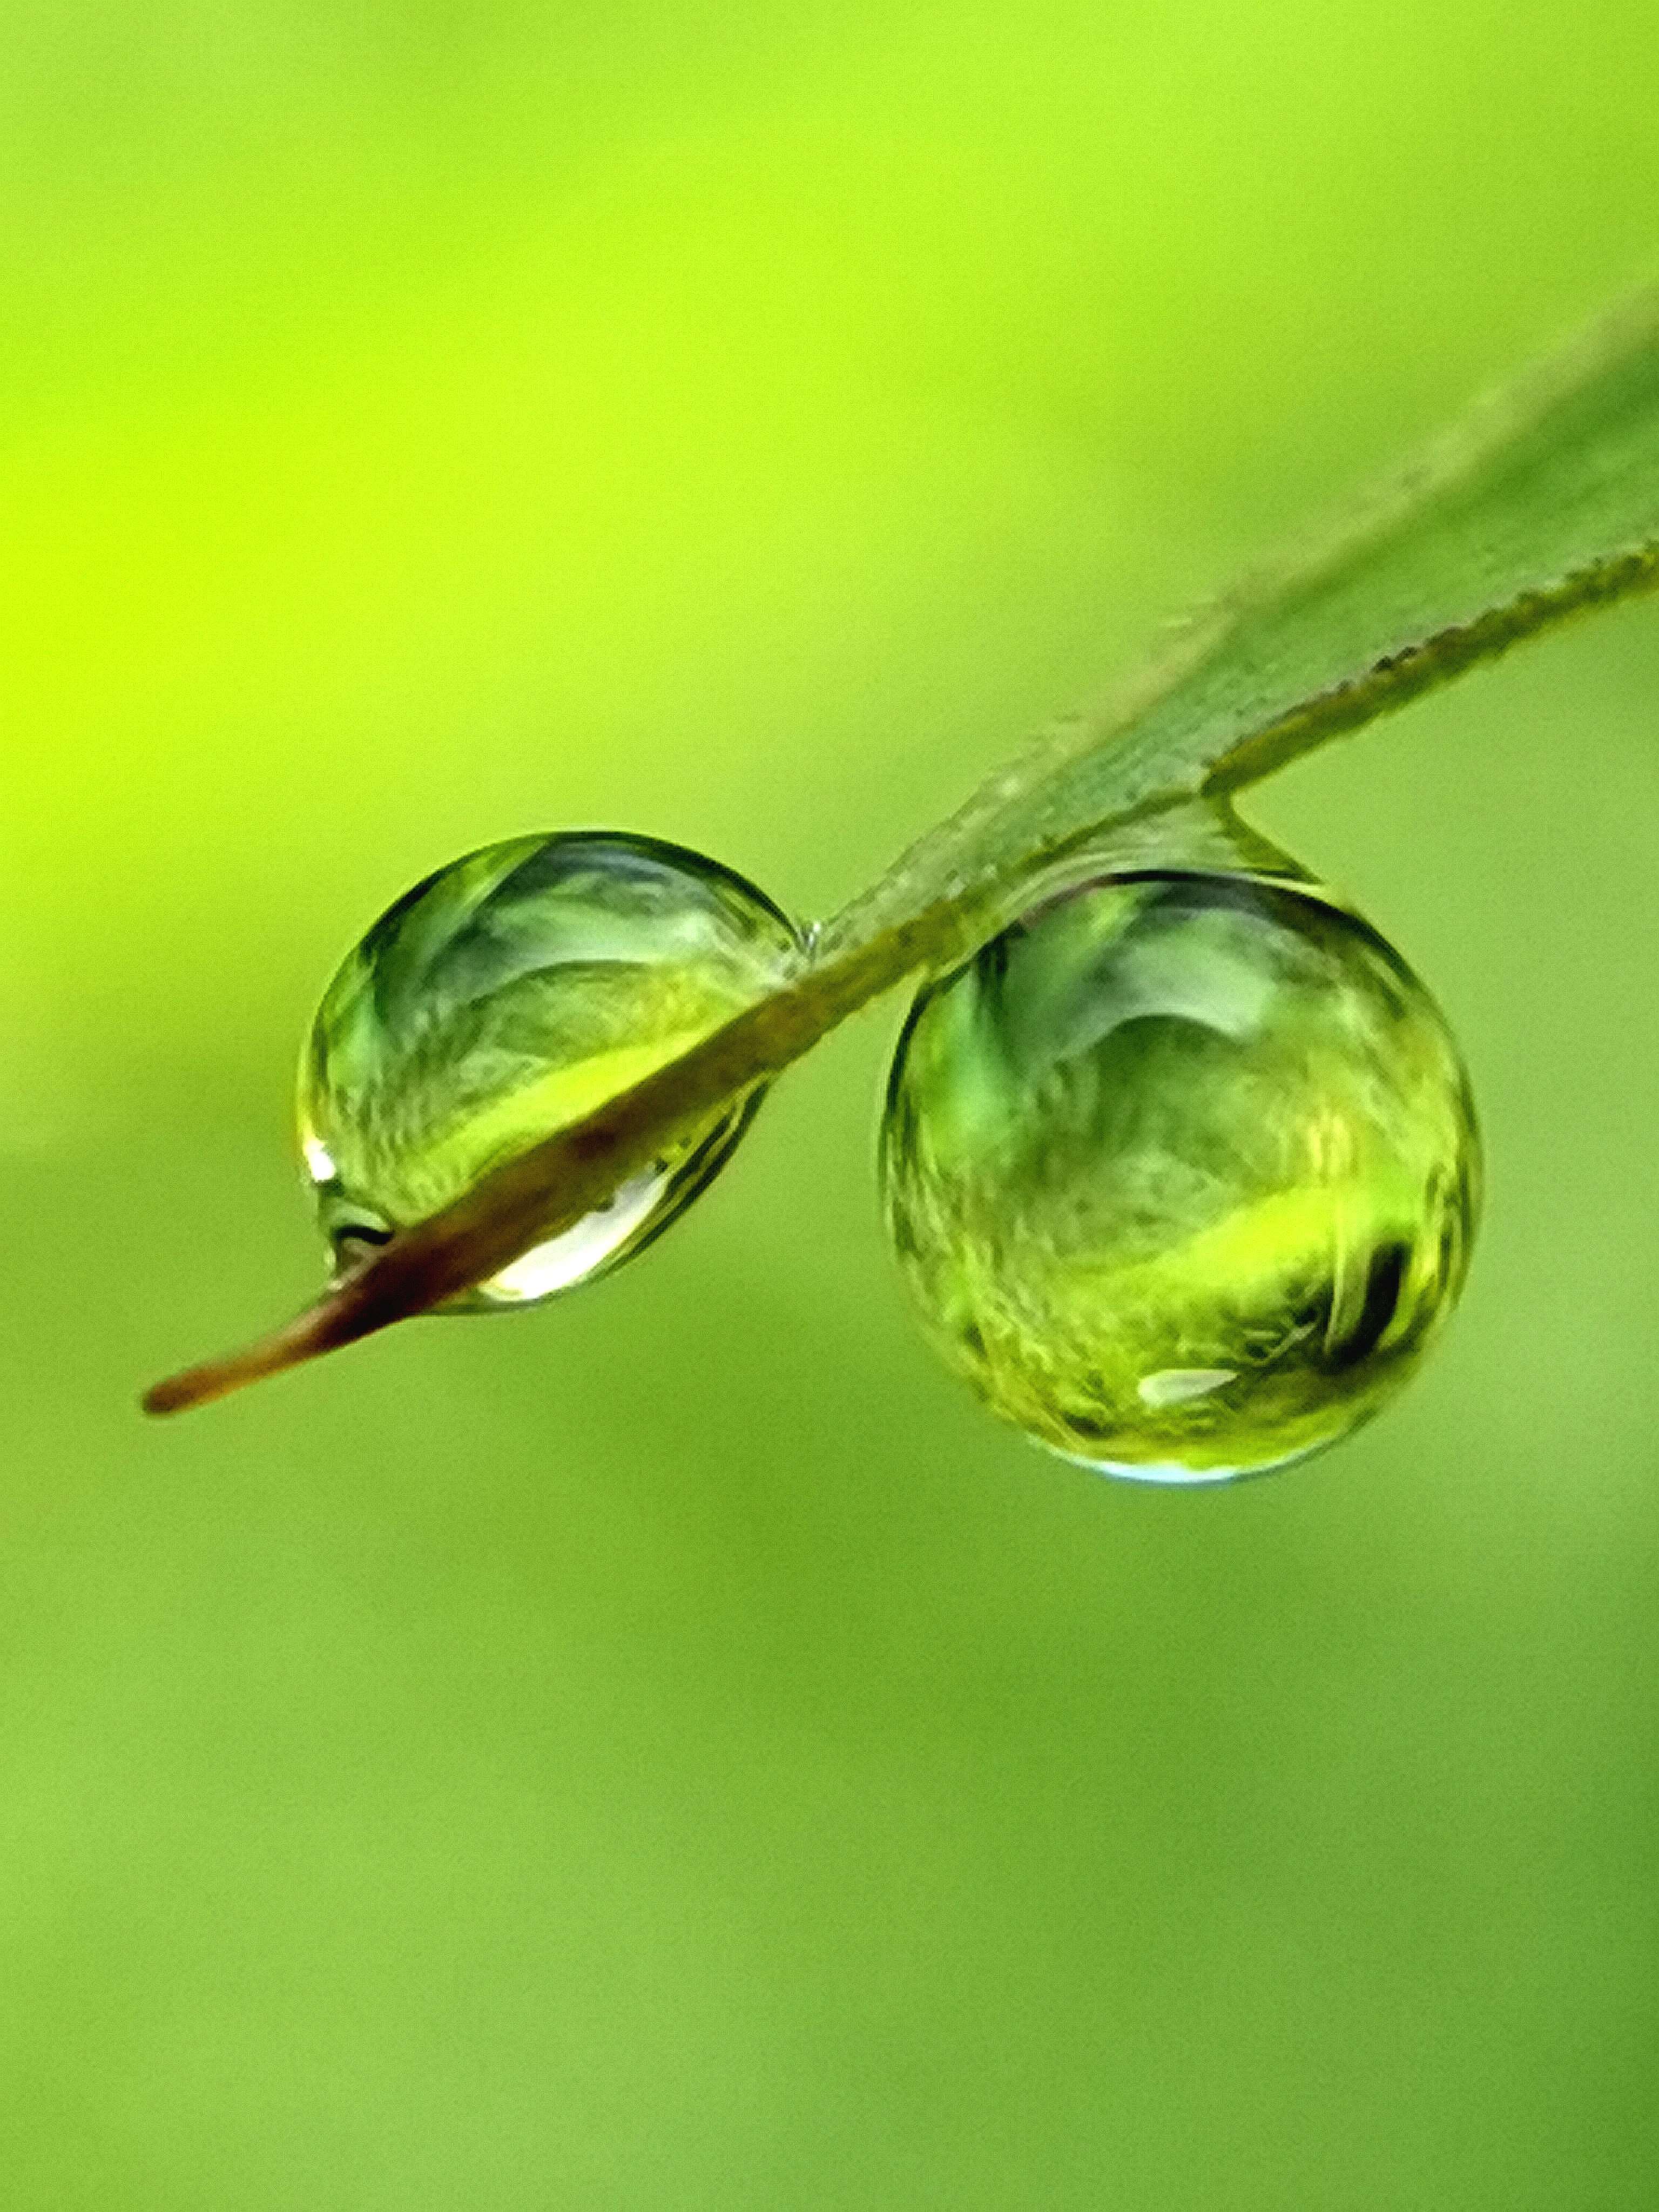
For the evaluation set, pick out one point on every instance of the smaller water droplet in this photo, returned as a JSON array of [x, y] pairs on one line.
[[503, 999]]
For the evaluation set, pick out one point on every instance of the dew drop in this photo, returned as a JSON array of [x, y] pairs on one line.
[[1182, 1171], [504, 997]]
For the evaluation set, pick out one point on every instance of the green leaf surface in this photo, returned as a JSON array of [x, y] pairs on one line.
[[1543, 503]]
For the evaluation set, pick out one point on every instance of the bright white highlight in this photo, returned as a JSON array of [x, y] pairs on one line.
[[320, 1161], [573, 1254]]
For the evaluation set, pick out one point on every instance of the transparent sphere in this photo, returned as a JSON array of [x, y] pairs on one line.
[[505, 998], [1182, 1170]]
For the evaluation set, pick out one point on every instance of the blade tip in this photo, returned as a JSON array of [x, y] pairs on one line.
[[176, 1394]]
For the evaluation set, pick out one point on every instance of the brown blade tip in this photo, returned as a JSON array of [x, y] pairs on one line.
[[319, 1329]]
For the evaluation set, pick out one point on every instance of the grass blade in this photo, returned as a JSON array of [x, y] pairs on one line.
[[1542, 504]]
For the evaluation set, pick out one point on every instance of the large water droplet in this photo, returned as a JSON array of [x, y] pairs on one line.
[[1183, 1172], [503, 999]]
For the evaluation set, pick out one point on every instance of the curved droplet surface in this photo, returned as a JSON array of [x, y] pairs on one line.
[[504, 997], [1183, 1172]]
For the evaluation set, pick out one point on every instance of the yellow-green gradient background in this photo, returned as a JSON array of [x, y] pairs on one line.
[[672, 1750]]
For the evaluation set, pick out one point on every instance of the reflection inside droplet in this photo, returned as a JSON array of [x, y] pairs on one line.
[[1178, 1386]]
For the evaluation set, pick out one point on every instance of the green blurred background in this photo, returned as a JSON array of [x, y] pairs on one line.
[[673, 1750]]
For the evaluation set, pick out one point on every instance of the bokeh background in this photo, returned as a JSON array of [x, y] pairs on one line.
[[673, 1750]]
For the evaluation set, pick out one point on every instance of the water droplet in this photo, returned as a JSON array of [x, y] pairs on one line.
[[1183, 1172], [503, 999]]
